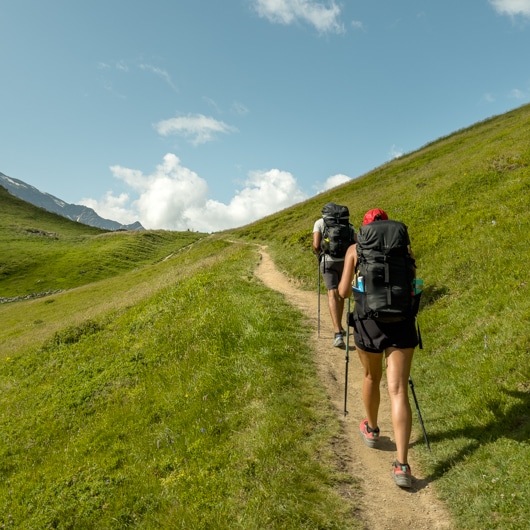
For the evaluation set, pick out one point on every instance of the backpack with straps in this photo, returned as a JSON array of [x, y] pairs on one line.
[[338, 233], [387, 270]]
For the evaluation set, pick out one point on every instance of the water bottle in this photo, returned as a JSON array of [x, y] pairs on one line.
[[358, 284]]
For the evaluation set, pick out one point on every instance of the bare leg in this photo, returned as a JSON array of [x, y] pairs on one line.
[[336, 309], [373, 371], [398, 363]]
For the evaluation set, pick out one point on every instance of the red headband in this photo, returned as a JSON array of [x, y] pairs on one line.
[[374, 215]]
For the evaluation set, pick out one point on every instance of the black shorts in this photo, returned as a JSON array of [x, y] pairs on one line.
[[375, 337], [331, 272]]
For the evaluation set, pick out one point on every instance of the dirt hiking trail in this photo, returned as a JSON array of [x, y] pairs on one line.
[[383, 505]]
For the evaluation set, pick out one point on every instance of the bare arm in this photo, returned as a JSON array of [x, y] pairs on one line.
[[350, 262], [317, 239]]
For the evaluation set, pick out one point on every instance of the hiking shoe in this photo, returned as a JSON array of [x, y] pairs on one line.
[[370, 438], [339, 341], [402, 475]]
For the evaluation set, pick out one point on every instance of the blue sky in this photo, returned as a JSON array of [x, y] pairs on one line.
[[209, 114]]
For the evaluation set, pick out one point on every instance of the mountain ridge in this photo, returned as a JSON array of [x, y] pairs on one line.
[[74, 212]]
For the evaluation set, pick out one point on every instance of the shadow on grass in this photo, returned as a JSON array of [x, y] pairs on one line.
[[512, 423], [432, 294]]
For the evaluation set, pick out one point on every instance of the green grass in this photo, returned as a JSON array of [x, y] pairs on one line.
[[166, 393], [43, 252], [180, 400], [466, 201]]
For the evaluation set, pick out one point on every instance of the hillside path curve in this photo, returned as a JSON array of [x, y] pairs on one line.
[[383, 505]]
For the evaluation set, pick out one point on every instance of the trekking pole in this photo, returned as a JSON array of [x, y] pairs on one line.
[[347, 357], [318, 268], [411, 384]]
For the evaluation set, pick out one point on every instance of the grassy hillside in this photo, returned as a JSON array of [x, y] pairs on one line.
[[44, 252], [163, 393], [177, 411], [466, 201]]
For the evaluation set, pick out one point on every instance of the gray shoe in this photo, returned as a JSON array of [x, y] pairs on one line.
[[339, 341], [402, 475]]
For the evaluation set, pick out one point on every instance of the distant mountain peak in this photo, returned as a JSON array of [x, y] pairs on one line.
[[74, 212]]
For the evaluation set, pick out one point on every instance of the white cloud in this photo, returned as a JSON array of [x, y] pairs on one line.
[[517, 94], [175, 198], [265, 192], [236, 107], [160, 73], [323, 18], [488, 97], [239, 108], [331, 182], [357, 24], [199, 128], [512, 7], [335, 180], [113, 208], [395, 152], [212, 103], [122, 66]]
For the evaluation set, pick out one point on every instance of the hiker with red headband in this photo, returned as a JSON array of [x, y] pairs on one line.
[[383, 328]]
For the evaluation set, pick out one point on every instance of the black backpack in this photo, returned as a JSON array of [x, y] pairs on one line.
[[387, 271], [338, 233]]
